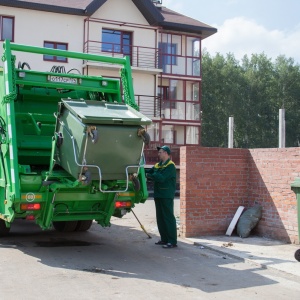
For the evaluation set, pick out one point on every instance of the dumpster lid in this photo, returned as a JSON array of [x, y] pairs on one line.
[[96, 112]]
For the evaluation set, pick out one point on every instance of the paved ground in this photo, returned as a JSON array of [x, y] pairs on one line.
[[122, 262], [260, 251], [263, 252]]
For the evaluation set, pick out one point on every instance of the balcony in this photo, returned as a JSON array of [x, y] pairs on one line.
[[149, 105], [144, 58]]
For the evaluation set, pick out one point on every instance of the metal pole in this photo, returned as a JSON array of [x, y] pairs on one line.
[[281, 128], [230, 132]]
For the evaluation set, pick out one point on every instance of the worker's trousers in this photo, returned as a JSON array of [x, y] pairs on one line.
[[166, 221]]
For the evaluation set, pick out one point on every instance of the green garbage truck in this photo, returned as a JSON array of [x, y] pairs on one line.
[[71, 145]]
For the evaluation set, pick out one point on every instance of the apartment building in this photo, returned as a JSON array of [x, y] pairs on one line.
[[164, 47]]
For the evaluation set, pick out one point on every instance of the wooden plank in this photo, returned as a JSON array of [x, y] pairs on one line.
[[234, 220]]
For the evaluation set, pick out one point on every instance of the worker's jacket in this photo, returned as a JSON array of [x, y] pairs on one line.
[[164, 177]]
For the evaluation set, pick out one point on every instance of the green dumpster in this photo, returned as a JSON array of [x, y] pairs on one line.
[[100, 135], [296, 188]]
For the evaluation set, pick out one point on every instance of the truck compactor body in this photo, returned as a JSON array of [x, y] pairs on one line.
[[71, 145]]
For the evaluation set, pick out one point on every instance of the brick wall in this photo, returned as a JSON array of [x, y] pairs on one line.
[[271, 173], [214, 182]]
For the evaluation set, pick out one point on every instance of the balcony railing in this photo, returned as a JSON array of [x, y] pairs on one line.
[[141, 57], [149, 105]]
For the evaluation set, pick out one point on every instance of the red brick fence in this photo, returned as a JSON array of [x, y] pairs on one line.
[[214, 182]]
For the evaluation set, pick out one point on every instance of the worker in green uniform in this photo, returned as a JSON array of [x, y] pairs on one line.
[[163, 174]]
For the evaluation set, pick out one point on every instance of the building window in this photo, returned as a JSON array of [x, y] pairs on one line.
[[168, 52], [7, 28], [55, 45], [164, 95], [168, 56], [196, 57], [180, 99], [153, 131], [192, 135], [116, 41], [167, 134]]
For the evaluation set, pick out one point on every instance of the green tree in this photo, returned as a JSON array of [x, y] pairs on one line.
[[220, 92], [256, 124], [287, 92], [252, 91]]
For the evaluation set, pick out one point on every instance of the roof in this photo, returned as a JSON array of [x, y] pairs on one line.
[[155, 15], [178, 22], [72, 7], [78, 4]]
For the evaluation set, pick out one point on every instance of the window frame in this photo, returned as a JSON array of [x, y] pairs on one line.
[[168, 53], [196, 58], [181, 95], [164, 95], [55, 46], [12, 28], [118, 48]]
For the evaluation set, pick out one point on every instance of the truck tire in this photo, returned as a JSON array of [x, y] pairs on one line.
[[65, 226], [3, 229], [84, 225]]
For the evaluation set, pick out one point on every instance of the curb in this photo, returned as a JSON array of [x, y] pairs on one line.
[[246, 260]]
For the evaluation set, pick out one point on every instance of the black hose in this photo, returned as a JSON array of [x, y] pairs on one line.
[[3, 137], [22, 65], [4, 170], [58, 69], [74, 69]]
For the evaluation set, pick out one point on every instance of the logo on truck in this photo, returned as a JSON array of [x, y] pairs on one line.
[[30, 197]]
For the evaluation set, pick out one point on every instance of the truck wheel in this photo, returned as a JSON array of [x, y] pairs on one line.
[[65, 226], [297, 255], [84, 225], [3, 229]]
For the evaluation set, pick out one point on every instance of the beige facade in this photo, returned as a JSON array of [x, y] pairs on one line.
[[34, 27], [122, 12]]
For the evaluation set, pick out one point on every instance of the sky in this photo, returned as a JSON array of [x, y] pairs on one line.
[[247, 27]]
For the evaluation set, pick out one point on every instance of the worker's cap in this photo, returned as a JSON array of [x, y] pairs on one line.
[[165, 148]]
